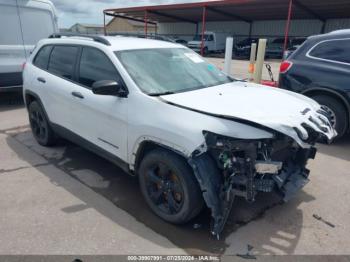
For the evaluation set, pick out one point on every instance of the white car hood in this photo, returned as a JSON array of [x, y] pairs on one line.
[[274, 108]]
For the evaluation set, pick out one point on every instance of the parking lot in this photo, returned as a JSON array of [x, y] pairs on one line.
[[239, 68], [66, 200]]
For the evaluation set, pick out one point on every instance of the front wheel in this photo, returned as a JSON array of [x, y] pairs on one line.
[[337, 113], [169, 186]]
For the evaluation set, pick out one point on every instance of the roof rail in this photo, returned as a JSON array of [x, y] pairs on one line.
[[96, 38], [142, 35]]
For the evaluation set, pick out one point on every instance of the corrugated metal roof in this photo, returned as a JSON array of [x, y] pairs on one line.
[[134, 23], [247, 10]]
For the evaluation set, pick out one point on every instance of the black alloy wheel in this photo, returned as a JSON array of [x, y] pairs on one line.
[[169, 186], [164, 188]]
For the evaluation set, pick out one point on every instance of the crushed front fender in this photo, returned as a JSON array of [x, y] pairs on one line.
[[217, 199]]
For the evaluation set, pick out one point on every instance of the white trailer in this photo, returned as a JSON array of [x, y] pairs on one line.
[[22, 24], [213, 42]]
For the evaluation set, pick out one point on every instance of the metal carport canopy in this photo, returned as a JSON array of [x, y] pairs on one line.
[[236, 10]]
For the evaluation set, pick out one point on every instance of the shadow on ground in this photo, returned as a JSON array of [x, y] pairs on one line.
[[111, 182]]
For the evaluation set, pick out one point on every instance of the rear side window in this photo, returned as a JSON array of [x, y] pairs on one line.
[[42, 58], [62, 61], [95, 66], [334, 50]]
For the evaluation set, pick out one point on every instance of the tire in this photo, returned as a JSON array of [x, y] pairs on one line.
[[161, 170], [338, 112], [40, 125]]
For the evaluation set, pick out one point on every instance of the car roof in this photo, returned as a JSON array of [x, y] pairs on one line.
[[117, 43], [341, 31], [344, 33], [316, 39]]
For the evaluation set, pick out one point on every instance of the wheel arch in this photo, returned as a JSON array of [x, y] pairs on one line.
[[29, 97], [331, 93], [147, 145]]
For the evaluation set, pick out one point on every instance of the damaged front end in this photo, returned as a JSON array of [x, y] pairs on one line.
[[227, 168]]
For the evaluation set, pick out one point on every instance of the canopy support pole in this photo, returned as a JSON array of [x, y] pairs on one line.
[[250, 29], [288, 25], [104, 23], [204, 17], [146, 23]]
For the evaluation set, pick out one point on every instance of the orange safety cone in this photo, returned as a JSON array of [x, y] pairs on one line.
[[251, 69]]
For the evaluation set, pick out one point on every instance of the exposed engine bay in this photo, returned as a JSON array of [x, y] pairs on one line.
[[242, 168]]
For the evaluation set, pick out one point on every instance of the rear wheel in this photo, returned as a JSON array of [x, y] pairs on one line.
[[169, 186], [40, 126], [337, 113]]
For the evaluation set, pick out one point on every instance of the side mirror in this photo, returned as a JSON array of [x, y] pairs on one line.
[[108, 88]]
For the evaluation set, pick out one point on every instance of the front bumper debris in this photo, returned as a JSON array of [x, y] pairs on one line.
[[238, 168]]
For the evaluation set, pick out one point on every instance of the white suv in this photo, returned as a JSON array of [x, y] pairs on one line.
[[193, 135]]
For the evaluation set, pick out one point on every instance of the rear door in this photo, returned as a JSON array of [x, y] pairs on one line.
[[211, 42], [55, 83], [99, 119]]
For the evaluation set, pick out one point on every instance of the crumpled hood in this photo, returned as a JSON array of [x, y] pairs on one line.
[[278, 109]]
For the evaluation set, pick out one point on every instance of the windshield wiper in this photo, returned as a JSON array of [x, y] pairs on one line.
[[161, 93]]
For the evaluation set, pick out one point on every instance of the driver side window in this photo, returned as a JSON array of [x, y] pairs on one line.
[[95, 66]]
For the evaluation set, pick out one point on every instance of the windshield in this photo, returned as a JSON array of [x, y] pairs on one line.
[[170, 70]]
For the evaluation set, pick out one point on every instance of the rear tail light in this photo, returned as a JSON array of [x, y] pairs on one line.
[[23, 66], [285, 66]]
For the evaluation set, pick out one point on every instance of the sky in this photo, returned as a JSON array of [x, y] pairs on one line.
[[90, 11]]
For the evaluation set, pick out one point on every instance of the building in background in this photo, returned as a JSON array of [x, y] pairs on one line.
[[86, 28], [242, 19], [119, 25], [64, 30], [269, 29]]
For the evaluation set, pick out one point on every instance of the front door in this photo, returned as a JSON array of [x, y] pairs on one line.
[[100, 119]]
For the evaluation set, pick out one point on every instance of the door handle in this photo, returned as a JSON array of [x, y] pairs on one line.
[[77, 94], [41, 79]]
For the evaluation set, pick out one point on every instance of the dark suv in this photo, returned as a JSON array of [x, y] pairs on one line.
[[275, 48], [242, 48], [320, 69]]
